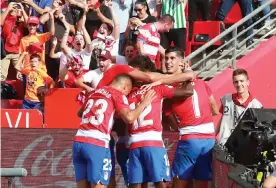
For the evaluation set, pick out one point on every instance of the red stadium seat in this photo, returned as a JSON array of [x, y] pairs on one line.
[[210, 28], [11, 104], [18, 86]]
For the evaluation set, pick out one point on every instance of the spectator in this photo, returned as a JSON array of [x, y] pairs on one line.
[[110, 29], [151, 7], [60, 55], [246, 9], [37, 8], [148, 41], [122, 10], [59, 14], [80, 39], [194, 5], [13, 20], [72, 71], [94, 16], [93, 77], [234, 105], [128, 55], [35, 78], [34, 37], [143, 16], [177, 34]]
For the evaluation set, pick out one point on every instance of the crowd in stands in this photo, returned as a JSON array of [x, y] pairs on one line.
[[59, 41]]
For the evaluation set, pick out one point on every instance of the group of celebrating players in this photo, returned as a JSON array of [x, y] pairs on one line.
[[129, 100]]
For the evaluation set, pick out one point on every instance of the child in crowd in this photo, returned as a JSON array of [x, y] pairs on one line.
[[35, 78]]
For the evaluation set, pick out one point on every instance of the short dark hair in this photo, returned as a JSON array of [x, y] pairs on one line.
[[167, 18], [237, 72], [128, 43], [143, 63], [109, 27], [121, 77], [33, 56], [178, 51]]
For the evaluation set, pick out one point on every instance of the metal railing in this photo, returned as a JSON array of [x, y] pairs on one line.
[[11, 173], [210, 60]]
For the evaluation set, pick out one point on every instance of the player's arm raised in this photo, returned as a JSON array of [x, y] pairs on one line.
[[129, 116]]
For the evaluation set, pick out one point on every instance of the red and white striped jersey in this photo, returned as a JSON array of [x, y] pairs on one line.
[[97, 118], [149, 35], [195, 114], [147, 129]]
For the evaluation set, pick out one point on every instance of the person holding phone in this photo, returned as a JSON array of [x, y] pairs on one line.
[[13, 21]]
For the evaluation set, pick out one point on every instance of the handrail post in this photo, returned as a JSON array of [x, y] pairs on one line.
[[234, 46]]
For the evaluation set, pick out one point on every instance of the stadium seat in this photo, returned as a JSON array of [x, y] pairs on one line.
[[18, 86], [208, 28], [11, 104]]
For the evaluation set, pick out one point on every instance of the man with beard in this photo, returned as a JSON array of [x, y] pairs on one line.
[[71, 72]]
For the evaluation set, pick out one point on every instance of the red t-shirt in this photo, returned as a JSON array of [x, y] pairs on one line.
[[97, 118], [111, 73], [149, 121], [12, 43], [70, 81]]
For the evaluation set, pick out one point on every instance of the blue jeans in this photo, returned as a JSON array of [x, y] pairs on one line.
[[246, 8], [121, 43], [266, 9]]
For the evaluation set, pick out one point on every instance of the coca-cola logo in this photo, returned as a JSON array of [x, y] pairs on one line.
[[47, 156], [41, 160]]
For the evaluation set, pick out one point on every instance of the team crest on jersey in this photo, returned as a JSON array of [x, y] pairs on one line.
[[225, 110], [105, 175]]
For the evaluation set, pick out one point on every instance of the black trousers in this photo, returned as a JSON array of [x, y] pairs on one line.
[[204, 6], [177, 36]]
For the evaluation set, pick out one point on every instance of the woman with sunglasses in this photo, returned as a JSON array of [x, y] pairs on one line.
[[143, 17]]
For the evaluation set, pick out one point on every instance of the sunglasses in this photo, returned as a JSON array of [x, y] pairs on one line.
[[138, 9]]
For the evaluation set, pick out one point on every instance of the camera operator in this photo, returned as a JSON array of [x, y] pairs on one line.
[[270, 182], [234, 105], [13, 20]]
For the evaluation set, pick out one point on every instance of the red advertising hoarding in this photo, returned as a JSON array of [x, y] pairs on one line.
[[47, 156]]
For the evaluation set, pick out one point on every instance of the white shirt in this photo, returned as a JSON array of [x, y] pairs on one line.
[[122, 13], [121, 60], [86, 57], [94, 77], [115, 48]]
